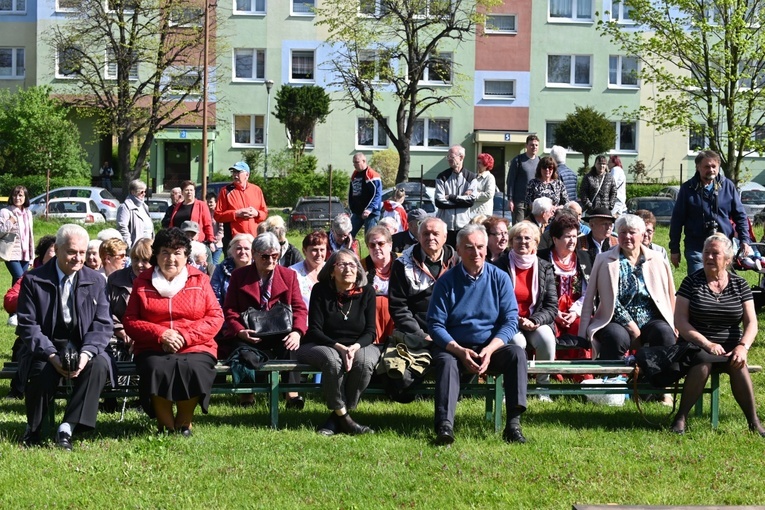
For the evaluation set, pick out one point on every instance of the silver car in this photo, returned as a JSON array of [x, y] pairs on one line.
[[106, 202], [82, 210]]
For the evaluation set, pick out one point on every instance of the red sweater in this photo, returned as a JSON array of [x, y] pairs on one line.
[[194, 312]]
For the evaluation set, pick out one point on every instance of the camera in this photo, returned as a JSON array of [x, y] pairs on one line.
[[70, 359], [711, 228]]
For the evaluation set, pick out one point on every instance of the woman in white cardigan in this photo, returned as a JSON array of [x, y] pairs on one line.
[[635, 292]]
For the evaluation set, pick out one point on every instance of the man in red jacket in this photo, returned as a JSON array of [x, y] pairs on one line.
[[241, 205]]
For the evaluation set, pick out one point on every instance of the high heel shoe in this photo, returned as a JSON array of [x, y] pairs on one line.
[[350, 427]]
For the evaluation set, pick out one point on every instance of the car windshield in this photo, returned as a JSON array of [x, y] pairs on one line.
[[754, 196], [106, 194]]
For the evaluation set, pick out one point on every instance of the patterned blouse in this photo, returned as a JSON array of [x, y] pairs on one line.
[[633, 302], [554, 190]]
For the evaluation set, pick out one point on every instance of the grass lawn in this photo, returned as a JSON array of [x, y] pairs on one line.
[[577, 453]]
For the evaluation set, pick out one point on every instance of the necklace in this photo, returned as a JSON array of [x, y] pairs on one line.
[[340, 307]]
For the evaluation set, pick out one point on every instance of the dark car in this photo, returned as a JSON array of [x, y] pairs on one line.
[[669, 191], [314, 212], [501, 207], [215, 187], [418, 196], [661, 207]]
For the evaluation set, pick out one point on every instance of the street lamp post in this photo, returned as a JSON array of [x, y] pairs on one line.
[[269, 85]]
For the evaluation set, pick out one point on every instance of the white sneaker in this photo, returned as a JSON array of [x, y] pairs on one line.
[[545, 398], [13, 321]]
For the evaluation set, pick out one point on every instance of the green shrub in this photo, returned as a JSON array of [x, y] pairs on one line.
[[643, 190]]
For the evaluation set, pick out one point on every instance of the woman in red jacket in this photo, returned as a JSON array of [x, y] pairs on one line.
[[191, 209], [172, 317]]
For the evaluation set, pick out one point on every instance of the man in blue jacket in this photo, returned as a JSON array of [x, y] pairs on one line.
[[706, 204], [364, 195], [471, 317]]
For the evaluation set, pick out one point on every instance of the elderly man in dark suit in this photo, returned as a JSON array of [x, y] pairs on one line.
[[63, 308]]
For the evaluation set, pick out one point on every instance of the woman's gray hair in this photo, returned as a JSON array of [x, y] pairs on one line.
[[136, 185], [94, 244], [70, 231], [726, 243], [342, 223], [325, 274], [275, 225], [630, 221], [469, 229], [541, 205], [247, 238], [265, 242]]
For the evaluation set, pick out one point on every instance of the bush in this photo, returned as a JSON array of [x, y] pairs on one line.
[[386, 164], [643, 190], [35, 184]]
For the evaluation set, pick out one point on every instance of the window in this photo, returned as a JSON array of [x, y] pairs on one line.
[[501, 24], [301, 68], [68, 62], [110, 67], [622, 12], [68, 5], [499, 89], [626, 139], [13, 6], [186, 81], [249, 6], [303, 7], [249, 64], [571, 10], [186, 17], [374, 65], [550, 140], [437, 133], [571, 70], [438, 68], [370, 133], [622, 71], [127, 6], [248, 130], [698, 139], [751, 73], [11, 63]]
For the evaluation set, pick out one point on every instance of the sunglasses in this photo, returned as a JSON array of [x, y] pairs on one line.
[[346, 265], [378, 244], [269, 256]]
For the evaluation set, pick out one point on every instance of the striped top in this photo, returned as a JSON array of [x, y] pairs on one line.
[[717, 317]]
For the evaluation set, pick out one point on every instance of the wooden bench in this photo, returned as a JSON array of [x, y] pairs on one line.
[[491, 390]]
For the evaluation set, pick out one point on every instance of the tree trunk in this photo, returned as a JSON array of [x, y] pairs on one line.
[[123, 156], [404, 158]]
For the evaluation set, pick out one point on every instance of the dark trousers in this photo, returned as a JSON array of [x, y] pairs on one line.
[[82, 407], [615, 340], [508, 360]]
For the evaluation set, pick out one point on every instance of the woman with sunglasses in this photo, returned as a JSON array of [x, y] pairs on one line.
[[378, 265], [546, 184], [339, 342], [113, 252], [261, 285]]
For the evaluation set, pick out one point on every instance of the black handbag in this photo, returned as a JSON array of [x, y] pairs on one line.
[[275, 322]]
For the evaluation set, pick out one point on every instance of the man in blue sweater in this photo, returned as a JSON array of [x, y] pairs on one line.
[[472, 316]]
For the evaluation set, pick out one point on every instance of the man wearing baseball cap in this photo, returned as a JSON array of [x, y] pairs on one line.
[[241, 205]]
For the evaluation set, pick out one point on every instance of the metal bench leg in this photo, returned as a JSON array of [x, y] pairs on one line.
[[273, 396], [489, 407], [499, 394], [715, 379], [699, 407]]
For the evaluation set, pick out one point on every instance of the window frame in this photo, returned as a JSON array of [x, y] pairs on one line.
[[426, 71], [548, 125], [620, 72], [253, 12], [377, 131], [292, 66], [181, 72], [617, 13], [490, 31], [617, 142], [495, 97], [196, 22], [310, 13], [426, 130], [57, 70], [254, 54], [58, 7], [14, 67], [374, 58], [572, 72], [253, 130], [574, 10], [132, 75], [15, 8]]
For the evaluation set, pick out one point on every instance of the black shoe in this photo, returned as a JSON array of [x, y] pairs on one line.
[[30, 438], [330, 427], [678, 427], [350, 427], [297, 403], [757, 429], [14, 394], [64, 441], [513, 435], [444, 433], [186, 432]]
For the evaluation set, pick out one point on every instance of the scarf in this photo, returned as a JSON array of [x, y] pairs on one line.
[[390, 205], [168, 288], [526, 262]]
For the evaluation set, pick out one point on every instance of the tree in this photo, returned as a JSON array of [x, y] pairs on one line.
[[705, 60], [35, 137], [138, 66], [386, 164], [383, 48], [300, 109], [587, 131]]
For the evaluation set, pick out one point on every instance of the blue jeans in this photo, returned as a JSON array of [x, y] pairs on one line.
[[357, 222], [694, 261], [17, 268], [217, 256]]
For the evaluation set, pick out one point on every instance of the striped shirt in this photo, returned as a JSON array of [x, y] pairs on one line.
[[717, 317]]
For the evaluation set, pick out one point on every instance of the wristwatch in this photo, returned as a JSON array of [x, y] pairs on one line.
[[742, 344]]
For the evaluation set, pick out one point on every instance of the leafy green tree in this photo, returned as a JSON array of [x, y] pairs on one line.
[[386, 164], [587, 131], [36, 137], [300, 109], [382, 50], [705, 61]]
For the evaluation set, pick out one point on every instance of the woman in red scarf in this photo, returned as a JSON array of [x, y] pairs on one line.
[[378, 267], [393, 208]]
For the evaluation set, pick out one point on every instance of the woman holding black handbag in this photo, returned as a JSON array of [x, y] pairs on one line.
[[265, 286]]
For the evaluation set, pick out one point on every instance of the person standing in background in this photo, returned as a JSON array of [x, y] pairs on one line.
[[364, 195], [522, 170]]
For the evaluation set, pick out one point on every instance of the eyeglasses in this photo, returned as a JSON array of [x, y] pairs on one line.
[[142, 192], [498, 234], [378, 244], [119, 256], [346, 265], [269, 256]]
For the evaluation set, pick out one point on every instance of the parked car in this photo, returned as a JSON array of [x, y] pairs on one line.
[[81, 210], [753, 198], [215, 187], [157, 207], [417, 196], [661, 207], [106, 202], [501, 206], [312, 213], [669, 191]]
